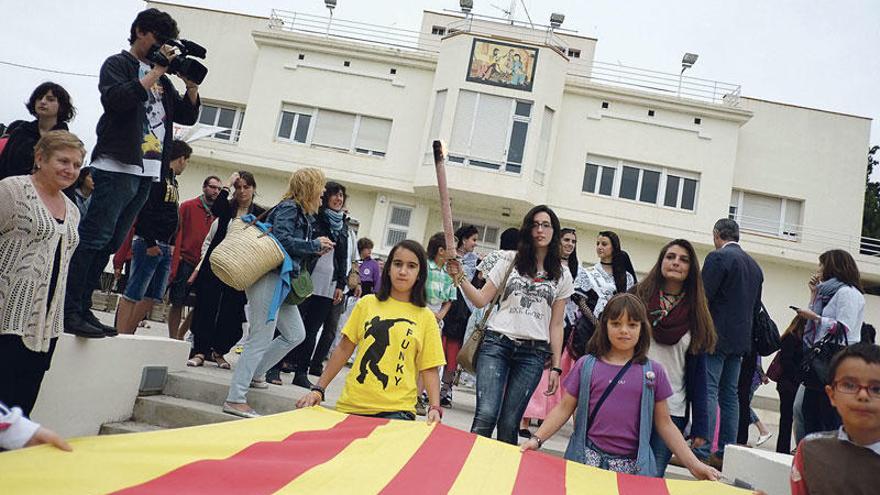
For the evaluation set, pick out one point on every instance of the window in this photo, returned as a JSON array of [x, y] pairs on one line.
[[643, 183], [337, 130], [438, 30], [229, 118], [488, 236], [490, 131], [574, 53], [766, 214], [544, 145], [399, 218], [295, 123]]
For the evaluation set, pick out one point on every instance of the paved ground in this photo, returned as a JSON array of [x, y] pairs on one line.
[[459, 416]]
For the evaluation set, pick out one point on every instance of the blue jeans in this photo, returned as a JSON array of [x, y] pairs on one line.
[[662, 454], [260, 350], [149, 274], [115, 203], [723, 371], [507, 373]]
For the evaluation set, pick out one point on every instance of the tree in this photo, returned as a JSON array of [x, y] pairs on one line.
[[871, 213]]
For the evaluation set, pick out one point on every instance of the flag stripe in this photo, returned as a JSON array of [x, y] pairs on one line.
[[540, 473], [490, 468], [588, 479], [279, 463], [446, 447], [628, 484]]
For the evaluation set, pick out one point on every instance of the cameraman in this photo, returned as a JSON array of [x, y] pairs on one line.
[[133, 151]]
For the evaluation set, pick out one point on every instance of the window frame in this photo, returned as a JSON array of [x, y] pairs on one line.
[[735, 213], [389, 226], [315, 115], [238, 120], [617, 165], [293, 127], [483, 226], [466, 160]]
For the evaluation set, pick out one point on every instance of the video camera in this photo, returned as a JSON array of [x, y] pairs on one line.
[[182, 65]]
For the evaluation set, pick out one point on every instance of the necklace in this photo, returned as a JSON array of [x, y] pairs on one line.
[[606, 264]]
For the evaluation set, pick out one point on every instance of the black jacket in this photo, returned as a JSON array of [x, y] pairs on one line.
[[120, 129], [733, 283], [340, 253], [223, 211], [157, 221], [18, 155]]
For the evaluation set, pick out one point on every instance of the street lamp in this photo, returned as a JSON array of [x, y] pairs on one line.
[[687, 61], [466, 5], [330, 4], [556, 20]]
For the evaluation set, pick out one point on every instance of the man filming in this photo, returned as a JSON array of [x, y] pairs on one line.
[[133, 150]]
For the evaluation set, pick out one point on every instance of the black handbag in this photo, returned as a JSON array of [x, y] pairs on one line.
[[765, 333], [816, 366]]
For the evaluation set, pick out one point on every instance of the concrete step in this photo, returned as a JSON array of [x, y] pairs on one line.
[[174, 412], [127, 427], [211, 388]]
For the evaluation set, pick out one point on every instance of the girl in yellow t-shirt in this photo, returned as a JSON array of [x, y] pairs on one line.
[[397, 339]]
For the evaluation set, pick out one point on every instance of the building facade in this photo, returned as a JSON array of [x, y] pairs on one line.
[[529, 118]]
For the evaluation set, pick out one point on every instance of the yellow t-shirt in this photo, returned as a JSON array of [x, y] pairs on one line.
[[395, 341]]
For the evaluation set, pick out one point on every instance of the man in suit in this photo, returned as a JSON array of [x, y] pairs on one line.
[[732, 280]]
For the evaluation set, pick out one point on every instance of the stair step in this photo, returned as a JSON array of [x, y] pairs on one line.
[[174, 412], [127, 427], [210, 388]]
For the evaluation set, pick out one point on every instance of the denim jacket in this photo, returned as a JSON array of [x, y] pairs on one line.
[[645, 457], [293, 229]]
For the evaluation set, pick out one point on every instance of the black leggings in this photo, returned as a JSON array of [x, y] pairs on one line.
[[787, 393], [21, 372], [313, 311]]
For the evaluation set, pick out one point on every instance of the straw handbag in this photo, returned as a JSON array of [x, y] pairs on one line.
[[245, 254], [467, 355]]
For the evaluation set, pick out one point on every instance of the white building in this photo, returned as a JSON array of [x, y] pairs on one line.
[[648, 155]]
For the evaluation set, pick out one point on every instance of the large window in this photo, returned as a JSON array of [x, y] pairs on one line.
[[336, 130], [648, 184], [227, 117], [490, 131], [766, 214], [399, 218]]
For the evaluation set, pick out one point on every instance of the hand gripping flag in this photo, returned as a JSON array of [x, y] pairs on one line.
[[314, 451]]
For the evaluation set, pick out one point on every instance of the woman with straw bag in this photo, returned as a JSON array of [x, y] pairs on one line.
[[291, 226]]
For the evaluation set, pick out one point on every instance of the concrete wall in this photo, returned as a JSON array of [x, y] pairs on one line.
[[92, 382]]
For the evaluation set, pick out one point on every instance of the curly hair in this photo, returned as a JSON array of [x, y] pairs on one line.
[[161, 24], [305, 187]]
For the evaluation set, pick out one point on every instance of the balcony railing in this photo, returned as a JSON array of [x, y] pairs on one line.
[[669, 84]]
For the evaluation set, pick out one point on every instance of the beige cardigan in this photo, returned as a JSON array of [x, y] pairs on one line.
[[29, 237]]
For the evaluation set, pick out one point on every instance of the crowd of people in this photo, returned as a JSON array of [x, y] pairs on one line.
[[672, 358]]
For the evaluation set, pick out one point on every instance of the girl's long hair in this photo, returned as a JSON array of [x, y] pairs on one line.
[[417, 295], [573, 257], [839, 264], [600, 345], [703, 335], [526, 253], [620, 262]]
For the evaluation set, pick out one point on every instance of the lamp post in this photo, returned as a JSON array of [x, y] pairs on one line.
[[687, 61], [330, 4]]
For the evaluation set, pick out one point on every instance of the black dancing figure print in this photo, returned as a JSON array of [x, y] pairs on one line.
[[378, 329]]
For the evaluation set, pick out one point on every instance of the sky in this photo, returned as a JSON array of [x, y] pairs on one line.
[[820, 54]]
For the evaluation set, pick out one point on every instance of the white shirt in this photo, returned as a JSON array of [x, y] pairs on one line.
[[526, 303], [602, 282], [672, 357], [847, 307]]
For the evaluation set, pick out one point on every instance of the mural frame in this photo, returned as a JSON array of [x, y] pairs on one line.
[[479, 64]]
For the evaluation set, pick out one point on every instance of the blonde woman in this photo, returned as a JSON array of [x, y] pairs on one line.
[[38, 233], [291, 224]]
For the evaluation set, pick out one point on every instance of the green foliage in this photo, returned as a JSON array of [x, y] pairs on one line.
[[871, 215]]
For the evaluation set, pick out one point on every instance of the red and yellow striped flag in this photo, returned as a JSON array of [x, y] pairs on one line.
[[314, 451]]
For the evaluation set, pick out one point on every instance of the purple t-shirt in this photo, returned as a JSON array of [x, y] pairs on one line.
[[371, 273], [616, 427]]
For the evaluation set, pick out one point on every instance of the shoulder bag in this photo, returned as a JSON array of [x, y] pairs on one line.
[[765, 333], [816, 365], [467, 355]]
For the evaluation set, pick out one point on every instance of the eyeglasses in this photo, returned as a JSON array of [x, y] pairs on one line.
[[852, 388], [542, 225]]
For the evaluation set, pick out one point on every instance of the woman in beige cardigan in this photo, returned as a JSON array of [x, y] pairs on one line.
[[37, 238]]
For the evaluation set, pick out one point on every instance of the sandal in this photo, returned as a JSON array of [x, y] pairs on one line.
[[196, 361], [222, 363], [274, 377]]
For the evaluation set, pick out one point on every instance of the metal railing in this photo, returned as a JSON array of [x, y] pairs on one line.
[[604, 73], [669, 84]]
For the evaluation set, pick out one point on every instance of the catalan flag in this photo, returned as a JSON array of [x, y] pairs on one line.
[[314, 451]]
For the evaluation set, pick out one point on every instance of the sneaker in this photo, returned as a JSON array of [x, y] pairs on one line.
[[76, 325], [446, 401], [422, 405], [93, 320], [316, 370], [259, 382], [763, 439], [525, 433], [301, 379]]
